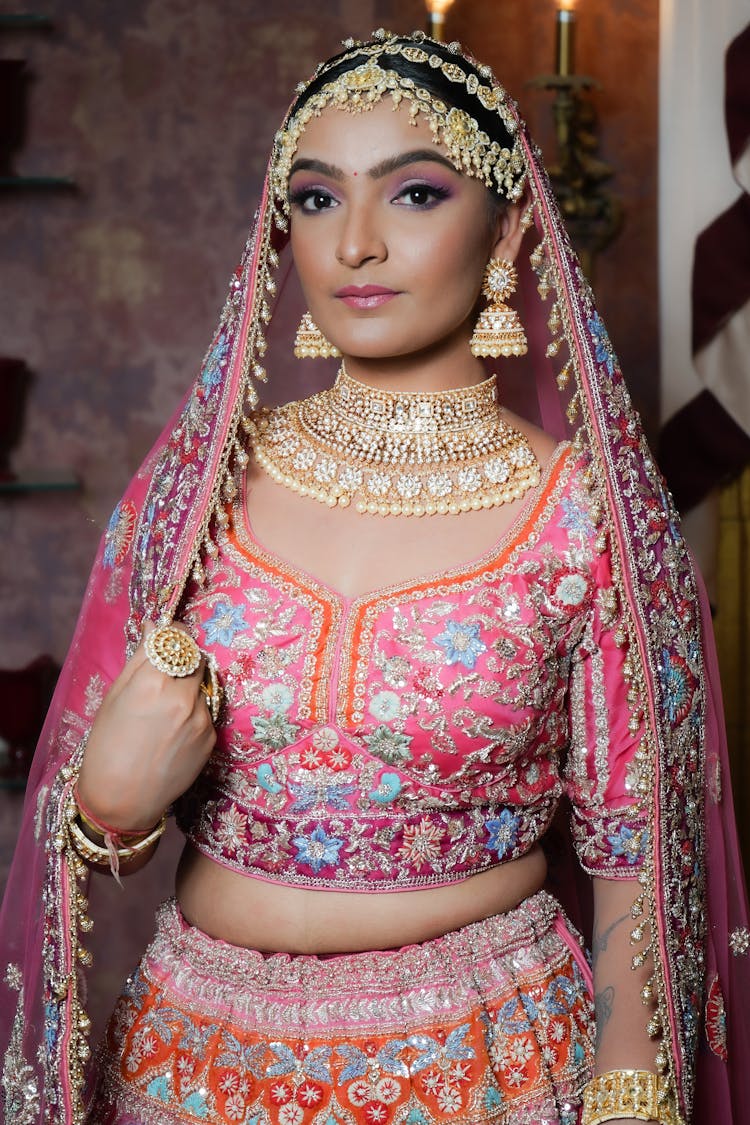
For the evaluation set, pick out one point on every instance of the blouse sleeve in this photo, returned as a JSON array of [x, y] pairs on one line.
[[603, 775]]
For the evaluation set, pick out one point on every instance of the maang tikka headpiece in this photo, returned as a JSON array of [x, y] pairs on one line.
[[358, 89]]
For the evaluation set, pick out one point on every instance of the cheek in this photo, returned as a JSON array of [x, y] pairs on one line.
[[308, 246], [456, 264], [301, 254]]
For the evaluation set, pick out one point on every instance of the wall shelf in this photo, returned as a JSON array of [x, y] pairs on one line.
[[41, 480], [37, 183], [25, 21]]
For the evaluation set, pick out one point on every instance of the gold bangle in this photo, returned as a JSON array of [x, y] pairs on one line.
[[95, 853], [126, 838], [640, 1094]]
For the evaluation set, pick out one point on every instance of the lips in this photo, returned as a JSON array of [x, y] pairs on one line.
[[365, 296]]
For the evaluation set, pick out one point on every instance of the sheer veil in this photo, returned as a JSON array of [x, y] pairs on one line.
[[693, 897]]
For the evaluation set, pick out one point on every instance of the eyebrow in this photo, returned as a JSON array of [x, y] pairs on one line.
[[378, 171]]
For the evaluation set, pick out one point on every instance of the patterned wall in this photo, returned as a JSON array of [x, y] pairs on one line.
[[163, 110]]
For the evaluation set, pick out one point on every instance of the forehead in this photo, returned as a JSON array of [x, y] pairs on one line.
[[353, 140]]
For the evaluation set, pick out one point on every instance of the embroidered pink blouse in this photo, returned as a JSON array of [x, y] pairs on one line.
[[424, 732]]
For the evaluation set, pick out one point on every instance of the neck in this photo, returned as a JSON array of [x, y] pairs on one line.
[[432, 370]]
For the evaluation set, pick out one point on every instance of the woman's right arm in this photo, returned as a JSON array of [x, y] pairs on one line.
[[149, 741]]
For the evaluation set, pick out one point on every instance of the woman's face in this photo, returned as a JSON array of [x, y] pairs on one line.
[[390, 241]]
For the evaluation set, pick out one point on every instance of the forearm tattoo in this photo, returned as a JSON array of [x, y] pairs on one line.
[[603, 1002], [600, 941]]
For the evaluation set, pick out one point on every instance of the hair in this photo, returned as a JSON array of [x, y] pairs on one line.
[[428, 78]]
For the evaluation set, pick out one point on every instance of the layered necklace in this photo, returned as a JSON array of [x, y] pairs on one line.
[[397, 453]]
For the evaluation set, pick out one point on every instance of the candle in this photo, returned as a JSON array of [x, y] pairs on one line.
[[437, 10], [565, 38]]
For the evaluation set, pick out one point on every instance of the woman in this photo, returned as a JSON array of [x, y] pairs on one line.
[[367, 749]]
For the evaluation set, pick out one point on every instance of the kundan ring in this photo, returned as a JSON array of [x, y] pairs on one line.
[[172, 651]]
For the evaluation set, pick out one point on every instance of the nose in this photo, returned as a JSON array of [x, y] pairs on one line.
[[360, 239]]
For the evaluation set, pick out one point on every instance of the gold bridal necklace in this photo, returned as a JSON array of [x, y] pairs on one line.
[[403, 453]]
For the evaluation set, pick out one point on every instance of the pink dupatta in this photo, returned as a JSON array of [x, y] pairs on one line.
[[693, 895]]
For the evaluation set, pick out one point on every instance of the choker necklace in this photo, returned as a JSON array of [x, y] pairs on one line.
[[400, 453]]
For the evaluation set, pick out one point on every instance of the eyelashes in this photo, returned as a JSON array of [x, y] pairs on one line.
[[424, 195], [419, 195], [312, 199]]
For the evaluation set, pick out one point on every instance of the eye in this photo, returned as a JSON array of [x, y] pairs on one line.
[[421, 196], [312, 199]]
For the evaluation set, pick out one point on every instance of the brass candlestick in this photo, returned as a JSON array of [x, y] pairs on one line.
[[593, 215], [436, 18], [565, 38]]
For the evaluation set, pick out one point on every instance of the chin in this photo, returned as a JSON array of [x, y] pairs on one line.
[[384, 347]]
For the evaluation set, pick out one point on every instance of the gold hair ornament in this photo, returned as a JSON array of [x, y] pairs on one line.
[[469, 148]]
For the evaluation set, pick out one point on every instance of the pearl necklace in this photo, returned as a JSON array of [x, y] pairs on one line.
[[396, 453]]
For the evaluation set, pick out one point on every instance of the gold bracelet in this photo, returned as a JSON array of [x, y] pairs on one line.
[[102, 856], [625, 1093], [126, 838]]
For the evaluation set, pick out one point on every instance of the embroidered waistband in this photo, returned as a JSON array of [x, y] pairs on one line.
[[211, 972]]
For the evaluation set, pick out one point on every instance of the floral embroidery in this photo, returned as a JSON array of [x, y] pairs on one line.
[[677, 684], [311, 758], [716, 1020], [576, 518], [94, 694], [385, 706], [212, 372], [274, 732], [266, 778], [325, 739], [277, 698], [339, 758], [397, 671], [503, 832], [406, 1052], [226, 622], [119, 534], [630, 843], [387, 789], [739, 941], [20, 1086], [570, 588], [231, 829], [311, 795], [317, 849], [421, 844], [389, 745], [448, 752], [603, 351], [461, 642]]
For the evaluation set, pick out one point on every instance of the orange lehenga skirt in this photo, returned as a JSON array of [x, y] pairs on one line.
[[490, 1023]]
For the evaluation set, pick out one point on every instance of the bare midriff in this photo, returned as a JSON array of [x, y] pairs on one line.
[[272, 917]]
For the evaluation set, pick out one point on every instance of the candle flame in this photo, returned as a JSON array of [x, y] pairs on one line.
[[566, 5], [438, 7]]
